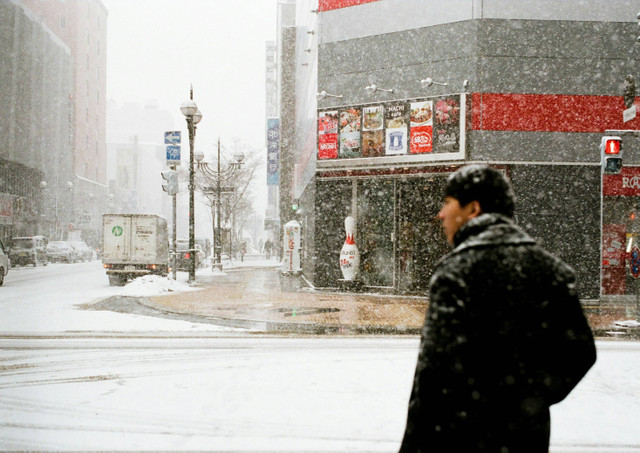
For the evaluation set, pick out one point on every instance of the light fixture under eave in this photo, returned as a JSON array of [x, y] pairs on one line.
[[323, 94], [373, 88], [426, 83]]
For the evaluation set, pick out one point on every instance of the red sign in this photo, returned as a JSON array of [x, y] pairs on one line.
[[421, 139], [327, 5], [627, 183], [613, 259], [328, 135], [421, 127]]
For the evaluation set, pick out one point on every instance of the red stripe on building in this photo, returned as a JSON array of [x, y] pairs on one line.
[[327, 5], [548, 113]]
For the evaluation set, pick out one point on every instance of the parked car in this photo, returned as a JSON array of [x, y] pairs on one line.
[[61, 251], [28, 250], [83, 251], [4, 263], [183, 255]]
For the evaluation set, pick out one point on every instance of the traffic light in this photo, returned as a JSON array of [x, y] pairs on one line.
[[611, 154], [629, 92], [171, 187]]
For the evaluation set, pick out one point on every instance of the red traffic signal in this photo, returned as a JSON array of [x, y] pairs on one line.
[[611, 154], [612, 145]]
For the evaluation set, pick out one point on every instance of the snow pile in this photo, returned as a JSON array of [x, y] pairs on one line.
[[152, 285]]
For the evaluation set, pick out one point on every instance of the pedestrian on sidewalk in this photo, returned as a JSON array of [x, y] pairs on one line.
[[504, 337], [267, 248]]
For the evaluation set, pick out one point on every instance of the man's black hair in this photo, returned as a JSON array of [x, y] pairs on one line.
[[483, 184]]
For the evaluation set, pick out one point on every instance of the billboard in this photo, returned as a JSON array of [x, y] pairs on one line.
[[431, 127]]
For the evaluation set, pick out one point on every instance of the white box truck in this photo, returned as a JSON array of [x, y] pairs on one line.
[[134, 245]]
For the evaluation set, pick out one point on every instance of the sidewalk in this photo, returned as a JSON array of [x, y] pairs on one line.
[[254, 298], [257, 298]]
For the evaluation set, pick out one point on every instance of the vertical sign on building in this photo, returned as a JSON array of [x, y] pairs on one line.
[[273, 151], [328, 135], [350, 133], [421, 127], [397, 127], [6, 209], [447, 125], [372, 135]]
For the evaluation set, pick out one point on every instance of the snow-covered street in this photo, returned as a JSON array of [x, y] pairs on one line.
[[72, 379], [47, 299]]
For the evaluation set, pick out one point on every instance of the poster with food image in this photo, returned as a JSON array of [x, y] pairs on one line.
[[372, 118], [328, 135], [397, 128], [373, 143], [421, 127], [350, 133], [446, 134]]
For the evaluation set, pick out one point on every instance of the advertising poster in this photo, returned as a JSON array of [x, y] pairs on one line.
[[328, 135], [421, 127], [350, 133], [397, 128], [372, 135], [447, 125]]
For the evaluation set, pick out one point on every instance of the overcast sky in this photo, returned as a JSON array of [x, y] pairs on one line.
[[157, 48]]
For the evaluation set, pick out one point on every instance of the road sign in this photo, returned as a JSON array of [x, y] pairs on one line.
[[172, 138], [634, 261], [173, 155]]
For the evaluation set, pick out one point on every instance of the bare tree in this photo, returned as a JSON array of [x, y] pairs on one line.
[[238, 164]]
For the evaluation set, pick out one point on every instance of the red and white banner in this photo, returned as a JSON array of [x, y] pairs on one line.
[[421, 127], [328, 135]]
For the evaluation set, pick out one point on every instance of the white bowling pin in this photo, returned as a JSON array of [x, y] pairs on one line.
[[349, 255]]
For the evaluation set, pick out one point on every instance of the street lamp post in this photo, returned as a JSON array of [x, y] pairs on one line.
[[190, 110], [204, 167]]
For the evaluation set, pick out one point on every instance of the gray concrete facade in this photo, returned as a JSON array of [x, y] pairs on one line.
[[35, 113], [576, 49]]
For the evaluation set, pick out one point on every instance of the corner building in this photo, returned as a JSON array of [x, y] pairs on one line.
[[530, 89]]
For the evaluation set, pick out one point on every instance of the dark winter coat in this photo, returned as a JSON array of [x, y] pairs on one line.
[[504, 338]]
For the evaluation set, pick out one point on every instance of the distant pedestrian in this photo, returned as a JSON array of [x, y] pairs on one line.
[[267, 248], [505, 336], [243, 250]]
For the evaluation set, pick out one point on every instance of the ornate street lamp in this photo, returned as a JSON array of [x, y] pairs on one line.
[[190, 110], [219, 175]]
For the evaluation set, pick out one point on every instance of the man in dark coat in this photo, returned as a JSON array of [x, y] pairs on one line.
[[505, 336]]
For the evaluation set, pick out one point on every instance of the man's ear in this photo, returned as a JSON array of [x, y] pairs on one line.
[[474, 209]]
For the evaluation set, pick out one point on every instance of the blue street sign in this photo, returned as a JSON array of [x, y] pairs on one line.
[[173, 155], [172, 137]]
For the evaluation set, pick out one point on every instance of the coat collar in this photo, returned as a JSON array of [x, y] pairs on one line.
[[490, 229]]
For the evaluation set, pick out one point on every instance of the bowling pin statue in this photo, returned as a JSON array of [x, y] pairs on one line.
[[349, 255]]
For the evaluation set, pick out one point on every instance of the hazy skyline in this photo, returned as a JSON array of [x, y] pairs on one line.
[[157, 48]]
